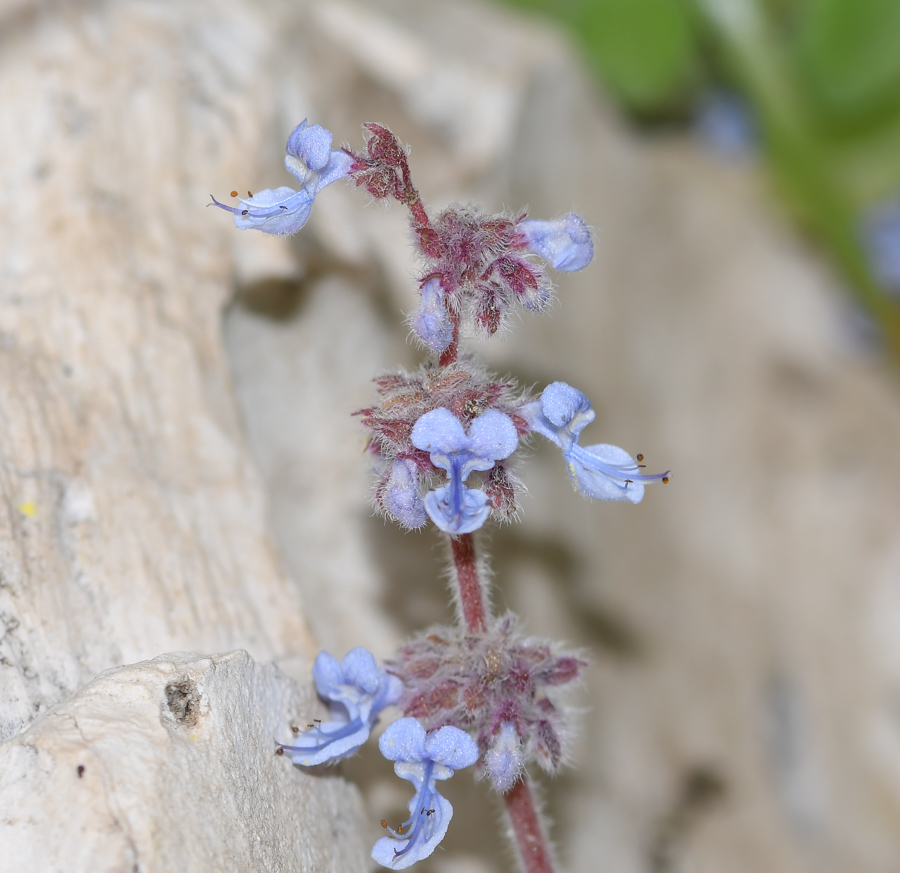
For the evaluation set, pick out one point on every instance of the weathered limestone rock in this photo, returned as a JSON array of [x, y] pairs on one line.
[[173, 748], [742, 709]]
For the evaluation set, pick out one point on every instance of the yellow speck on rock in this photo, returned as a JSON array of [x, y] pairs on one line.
[[29, 509]]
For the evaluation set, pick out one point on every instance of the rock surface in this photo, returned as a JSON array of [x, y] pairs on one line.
[[742, 708], [154, 758]]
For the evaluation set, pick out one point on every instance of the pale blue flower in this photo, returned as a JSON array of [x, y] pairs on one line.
[[357, 691], [492, 437], [284, 210], [565, 244], [421, 759], [431, 321], [401, 496], [504, 761], [602, 472]]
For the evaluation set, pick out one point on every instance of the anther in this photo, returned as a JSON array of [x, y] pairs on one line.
[[245, 211], [279, 751], [295, 729], [249, 193], [234, 193], [665, 480], [640, 457], [383, 823]]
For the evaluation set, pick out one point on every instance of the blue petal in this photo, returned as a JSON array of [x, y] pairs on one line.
[[360, 668], [328, 743], [338, 167], [493, 437], [310, 143], [605, 472], [278, 211], [390, 690], [385, 851], [566, 407], [456, 517], [439, 433], [403, 740], [327, 674], [452, 747], [565, 244]]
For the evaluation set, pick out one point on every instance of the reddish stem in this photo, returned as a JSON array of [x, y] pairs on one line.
[[450, 354], [530, 839], [471, 594]]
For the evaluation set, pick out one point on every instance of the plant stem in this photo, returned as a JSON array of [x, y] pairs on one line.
[[529, 836], [469, 588]]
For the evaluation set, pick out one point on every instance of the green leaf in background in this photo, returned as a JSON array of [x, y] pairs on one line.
[[643, 49], [848, 54]]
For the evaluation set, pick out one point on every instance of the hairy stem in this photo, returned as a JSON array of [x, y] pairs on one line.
[[528, 832], [529, 836], [469, 587]]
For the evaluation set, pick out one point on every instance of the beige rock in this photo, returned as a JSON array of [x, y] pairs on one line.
[[741, 714], [172, 749]]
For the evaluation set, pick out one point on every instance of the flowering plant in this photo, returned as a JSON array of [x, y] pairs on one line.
[[442, 441]]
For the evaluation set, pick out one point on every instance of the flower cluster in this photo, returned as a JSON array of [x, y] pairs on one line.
[[476, 264], [498, 685], [439, 454], [443, 440]]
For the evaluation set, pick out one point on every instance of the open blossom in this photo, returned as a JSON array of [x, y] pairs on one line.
[[283, 210], [564, 244], [357, 691], [422, 759], [602, 472], [492, 437]]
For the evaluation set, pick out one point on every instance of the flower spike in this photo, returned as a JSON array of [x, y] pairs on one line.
[[357, 691], [601, 472], [421, 759], [284, 210]]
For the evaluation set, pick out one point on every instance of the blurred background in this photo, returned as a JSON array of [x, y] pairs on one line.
[[811, 88], [181, 467]]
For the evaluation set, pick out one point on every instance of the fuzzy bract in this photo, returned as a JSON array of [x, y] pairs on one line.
[[492, 437], [283, 210], [422, 759], [357, 690], [601, 472], [565, 244]]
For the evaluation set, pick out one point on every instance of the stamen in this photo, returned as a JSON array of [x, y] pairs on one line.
[[383, 823], [234, 193], [249, 193], [665, 480], [640, 457], [279, 751], [245, 211]]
